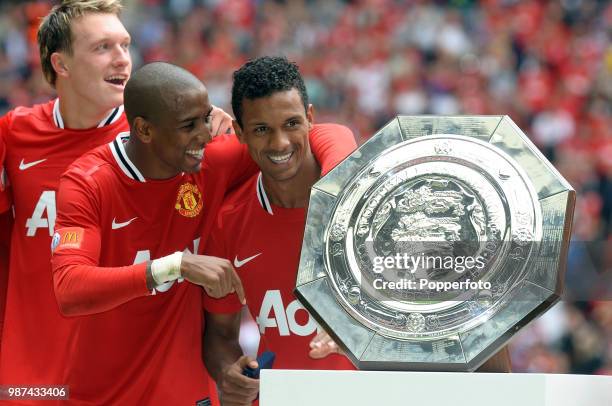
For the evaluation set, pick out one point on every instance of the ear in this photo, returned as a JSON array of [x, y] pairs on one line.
[[238, 131], [141, 128], [58, 61], [310, 115]]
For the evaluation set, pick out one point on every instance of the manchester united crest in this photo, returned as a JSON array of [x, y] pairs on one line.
[[189, 200]]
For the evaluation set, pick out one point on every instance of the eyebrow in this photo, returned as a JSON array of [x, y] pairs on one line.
[[191, 118], [187, 119], [108, 38], [296, 117]]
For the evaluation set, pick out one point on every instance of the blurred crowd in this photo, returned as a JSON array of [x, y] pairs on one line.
[[546, 64]]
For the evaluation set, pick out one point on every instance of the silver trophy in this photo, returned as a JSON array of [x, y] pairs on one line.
[[435, 242]]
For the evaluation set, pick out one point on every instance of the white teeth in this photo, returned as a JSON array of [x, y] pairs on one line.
[[196, 153], [280, 158], [116, 77]]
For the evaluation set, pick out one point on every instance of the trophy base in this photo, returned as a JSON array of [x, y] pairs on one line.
[[322, 388]]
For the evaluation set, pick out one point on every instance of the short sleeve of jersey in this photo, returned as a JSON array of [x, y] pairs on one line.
[[5, 194], [330, 144], [216, 247]]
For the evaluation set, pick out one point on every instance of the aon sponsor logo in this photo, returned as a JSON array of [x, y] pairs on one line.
[[274, 314], [145, 255]]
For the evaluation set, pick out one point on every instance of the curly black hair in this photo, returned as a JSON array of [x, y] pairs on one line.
[[262, 77]]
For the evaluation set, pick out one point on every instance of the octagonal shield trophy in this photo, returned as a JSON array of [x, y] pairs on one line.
[[434, 242]]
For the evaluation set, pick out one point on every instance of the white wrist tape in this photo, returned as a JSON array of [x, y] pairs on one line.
[[167, 268]]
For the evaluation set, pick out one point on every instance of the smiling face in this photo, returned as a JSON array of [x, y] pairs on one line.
[[179, 135], [275, 129], [100, 64]]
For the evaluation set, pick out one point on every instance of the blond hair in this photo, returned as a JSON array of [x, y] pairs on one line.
[[55, 35]]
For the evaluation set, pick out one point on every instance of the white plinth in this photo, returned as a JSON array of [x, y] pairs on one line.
[[371, 388]]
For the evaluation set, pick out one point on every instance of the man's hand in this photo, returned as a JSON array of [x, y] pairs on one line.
[[220, 122], [216, 275], [323, 345], [236, 389]]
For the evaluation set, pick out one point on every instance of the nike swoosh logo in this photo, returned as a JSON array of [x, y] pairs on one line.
[[238, 263], [23, 166], [116, 225]]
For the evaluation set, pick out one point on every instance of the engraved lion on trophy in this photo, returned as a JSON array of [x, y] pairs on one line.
[[435, 217]]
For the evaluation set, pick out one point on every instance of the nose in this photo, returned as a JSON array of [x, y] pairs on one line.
[[279, 141], [121, 56]]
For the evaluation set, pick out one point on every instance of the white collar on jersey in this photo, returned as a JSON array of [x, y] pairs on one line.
[[127, 166], [262, 196], [113, 116]]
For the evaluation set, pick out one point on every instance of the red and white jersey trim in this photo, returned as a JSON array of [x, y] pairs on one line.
[[127, 166], [113, 116], [262, 196]]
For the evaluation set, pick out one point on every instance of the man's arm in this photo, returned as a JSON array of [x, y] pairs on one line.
[[221, 351], [225, 362], [330, 144], [82, 287], [81, 290]]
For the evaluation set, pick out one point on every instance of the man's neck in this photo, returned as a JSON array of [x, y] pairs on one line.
[[295, 192], [78, 114], [141, 156]]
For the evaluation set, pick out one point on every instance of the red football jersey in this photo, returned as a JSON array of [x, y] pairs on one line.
[[35, 150], [133, 348], [264, 243], [148, 349]]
